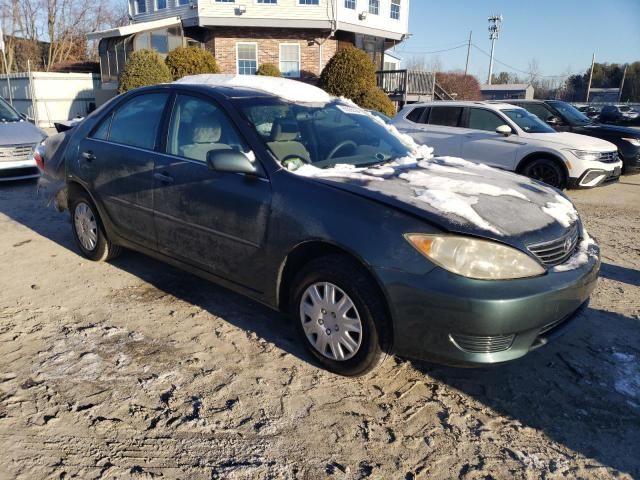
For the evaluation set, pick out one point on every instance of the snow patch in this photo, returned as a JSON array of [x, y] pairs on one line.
[[562, 210], [586, 250], [627, 375], [340, 170], [291, 90]]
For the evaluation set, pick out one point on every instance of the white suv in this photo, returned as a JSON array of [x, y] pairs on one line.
[[511, 138]]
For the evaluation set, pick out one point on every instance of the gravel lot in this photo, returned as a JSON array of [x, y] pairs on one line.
[[137, 370]]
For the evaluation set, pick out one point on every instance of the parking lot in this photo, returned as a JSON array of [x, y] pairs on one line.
[[136, 369]]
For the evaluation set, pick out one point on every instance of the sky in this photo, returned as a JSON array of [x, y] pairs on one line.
[[560, 34]]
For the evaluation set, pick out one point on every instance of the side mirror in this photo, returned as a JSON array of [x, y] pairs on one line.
[[26, 117], [554, 121], [504, 130], [230, 161]]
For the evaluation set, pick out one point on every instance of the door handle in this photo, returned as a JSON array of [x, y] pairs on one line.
[[163, 178], [88, 156]]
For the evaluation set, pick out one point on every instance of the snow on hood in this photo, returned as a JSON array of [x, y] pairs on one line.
[[291, 90]]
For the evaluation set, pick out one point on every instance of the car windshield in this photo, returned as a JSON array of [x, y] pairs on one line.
[[528, 121], [7, 112], [324, 136], [571, 113]]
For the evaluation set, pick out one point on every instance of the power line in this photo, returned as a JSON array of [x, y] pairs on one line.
[[421, 52], [520, 70]]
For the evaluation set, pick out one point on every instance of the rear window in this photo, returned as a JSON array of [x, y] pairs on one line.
[[445, 116], [416, 114]]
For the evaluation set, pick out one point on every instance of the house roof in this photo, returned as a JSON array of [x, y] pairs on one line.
[[505, 87], [134, 28]]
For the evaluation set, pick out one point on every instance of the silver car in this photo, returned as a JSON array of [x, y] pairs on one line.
[[18, 139]]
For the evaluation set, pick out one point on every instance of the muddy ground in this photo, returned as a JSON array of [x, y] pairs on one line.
[[137, 370]]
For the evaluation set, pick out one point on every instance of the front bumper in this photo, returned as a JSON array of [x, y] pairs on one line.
[[447, 318], [18, 170], [596, 174]]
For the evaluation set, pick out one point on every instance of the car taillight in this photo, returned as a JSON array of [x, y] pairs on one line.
[[38, 156]]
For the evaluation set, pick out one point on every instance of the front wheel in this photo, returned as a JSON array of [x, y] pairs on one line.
[[89, 232], [340, 316], [547, 171]]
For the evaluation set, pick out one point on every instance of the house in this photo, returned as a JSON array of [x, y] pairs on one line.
[[506, 91], [299, 36]]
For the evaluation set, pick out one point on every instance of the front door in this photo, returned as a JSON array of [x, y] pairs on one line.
[[215, 221], [481, 143], [117, 159]]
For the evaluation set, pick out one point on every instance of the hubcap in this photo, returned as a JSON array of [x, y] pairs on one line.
[[331, 321], [86, 226]]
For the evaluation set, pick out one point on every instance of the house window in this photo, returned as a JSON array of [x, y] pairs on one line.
[[161, 4], [139, 6], [268, 2], [374, 7], [247, 54], [395, 9], [225, 1], [351, 4], [183, 2], [290, 60], [308, 2]]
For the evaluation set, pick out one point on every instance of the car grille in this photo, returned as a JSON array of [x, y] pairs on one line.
[[608, 157], [16, 153], [482, 344], [556, 251]]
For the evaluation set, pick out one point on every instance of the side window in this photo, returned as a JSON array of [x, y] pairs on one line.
[[199, 126], [102, 132], [136, 122], [445, 116], [540, 111], [415, 114], [481, 119]]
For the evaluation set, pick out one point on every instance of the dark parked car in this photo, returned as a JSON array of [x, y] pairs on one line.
[[315, 207], [564, 117], [619, 115]]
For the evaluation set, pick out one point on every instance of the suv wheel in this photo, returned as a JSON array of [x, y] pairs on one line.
[[339, 315], [547, 171], [89, 232]]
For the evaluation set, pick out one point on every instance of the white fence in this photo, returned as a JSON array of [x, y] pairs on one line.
[[50, 97]]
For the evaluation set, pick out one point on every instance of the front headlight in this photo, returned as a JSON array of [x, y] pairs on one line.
[[633, 141], [586, 155], [473, 258]]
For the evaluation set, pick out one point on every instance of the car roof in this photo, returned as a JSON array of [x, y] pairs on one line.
[[461, 103]]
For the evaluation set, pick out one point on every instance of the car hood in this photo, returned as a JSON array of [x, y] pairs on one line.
[[461, 197], [20, 133], [611, 130], [574, 141]]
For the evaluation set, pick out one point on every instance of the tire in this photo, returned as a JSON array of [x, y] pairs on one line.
[[547, 171], [348, 279], [88, 230]]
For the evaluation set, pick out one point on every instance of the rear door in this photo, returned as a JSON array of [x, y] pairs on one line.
[[117, 160], [482, 144], [213, 220], [443, 130]]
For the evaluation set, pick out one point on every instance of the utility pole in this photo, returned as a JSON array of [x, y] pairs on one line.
[[495, 24], [593, 62], [624, 75], [466, 67]]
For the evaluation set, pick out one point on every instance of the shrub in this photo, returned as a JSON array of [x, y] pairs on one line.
[[184, 61], [349, 73], [268, 70], [144, 67], [376, 99], [466, 87]]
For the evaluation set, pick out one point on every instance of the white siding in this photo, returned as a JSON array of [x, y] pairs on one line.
[[283, 10], [382, 21]]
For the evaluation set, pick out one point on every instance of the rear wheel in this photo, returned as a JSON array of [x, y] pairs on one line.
[[88, 230], [547, 171], [340, 316]]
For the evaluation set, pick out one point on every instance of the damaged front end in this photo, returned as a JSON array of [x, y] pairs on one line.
[[50, 158]]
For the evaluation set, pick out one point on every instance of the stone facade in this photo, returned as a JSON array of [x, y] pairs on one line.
[[221, 41]]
